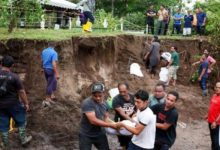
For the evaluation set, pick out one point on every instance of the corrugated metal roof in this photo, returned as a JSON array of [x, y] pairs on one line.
[[60, 3]]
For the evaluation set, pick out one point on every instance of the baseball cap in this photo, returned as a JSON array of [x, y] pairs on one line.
[[97, 87]]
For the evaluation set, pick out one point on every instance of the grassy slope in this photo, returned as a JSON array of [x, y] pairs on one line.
[[49, 34]]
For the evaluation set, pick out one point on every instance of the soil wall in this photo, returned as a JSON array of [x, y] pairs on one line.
[[83, 61]]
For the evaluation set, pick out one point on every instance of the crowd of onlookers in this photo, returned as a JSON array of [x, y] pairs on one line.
[[183, 24]]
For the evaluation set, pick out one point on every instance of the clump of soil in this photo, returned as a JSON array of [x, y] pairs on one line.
[[83, 61]]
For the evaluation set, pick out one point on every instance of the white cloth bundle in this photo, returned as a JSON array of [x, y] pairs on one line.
[[135, 69], [121, 131]]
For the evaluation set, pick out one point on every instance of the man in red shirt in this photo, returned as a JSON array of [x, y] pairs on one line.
[[214, 118]]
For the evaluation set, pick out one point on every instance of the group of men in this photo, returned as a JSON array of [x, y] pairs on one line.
[[206, 64], [170, 62], [13, 99], [197, 21], [156, 118]]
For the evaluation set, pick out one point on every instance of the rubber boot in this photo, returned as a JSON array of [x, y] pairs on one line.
[[87, 27], [204, 92], [4, 136], [22, 134], [11, 125], [84, 28], [89, 24]]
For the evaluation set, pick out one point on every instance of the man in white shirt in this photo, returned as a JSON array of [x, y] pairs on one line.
[[145, 129]]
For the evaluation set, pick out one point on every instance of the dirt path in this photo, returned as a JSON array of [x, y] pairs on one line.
[[194, 137]]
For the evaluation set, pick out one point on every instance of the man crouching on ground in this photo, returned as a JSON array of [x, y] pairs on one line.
[[94, 118]]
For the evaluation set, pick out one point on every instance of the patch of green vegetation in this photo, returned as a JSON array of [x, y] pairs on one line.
[[64, 34], [49, 34]]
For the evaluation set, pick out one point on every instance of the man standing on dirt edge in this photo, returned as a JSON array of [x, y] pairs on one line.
[[153, 56], [167, 117], [214, 118], [11, 89], [150, 14], [94, 117], [173, 65], [146, 124], [203, 74], [49, 59], [88, 9], [123, 104]]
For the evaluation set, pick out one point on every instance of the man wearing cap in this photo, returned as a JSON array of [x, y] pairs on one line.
[[124, 107], [13, 103], [94, 117], [214, 118]]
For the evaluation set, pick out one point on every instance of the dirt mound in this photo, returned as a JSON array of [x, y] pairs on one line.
[[83, 61]]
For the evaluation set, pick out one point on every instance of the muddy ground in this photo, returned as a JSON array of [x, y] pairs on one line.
[[83, 61]]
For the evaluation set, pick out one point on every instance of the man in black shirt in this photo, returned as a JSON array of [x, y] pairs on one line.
[[150, 14], [123, 104], [167, 117], [10, 106], [93, 118]]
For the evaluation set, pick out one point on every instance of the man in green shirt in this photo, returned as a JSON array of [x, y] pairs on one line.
[[173, 65]]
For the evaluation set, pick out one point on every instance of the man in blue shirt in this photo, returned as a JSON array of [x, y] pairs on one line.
[[49, 63], [201, 20], [203, 74], [187, 30], [177, 21]]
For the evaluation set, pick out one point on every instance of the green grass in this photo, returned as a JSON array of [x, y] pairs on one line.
[[49, 34], [64, 34]]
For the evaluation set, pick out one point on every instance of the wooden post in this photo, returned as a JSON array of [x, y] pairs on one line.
[[70, 23], [122, 24], [42, 23]]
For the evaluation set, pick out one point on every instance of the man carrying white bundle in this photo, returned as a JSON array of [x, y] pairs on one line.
[[145, 129]]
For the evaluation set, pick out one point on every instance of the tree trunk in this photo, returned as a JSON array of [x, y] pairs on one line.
[[113, 7], [11, 25]]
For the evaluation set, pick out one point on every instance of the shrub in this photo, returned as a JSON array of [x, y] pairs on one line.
[[134, 21], [101, 15]]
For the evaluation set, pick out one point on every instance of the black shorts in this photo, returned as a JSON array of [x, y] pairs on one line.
[[124, 140]]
